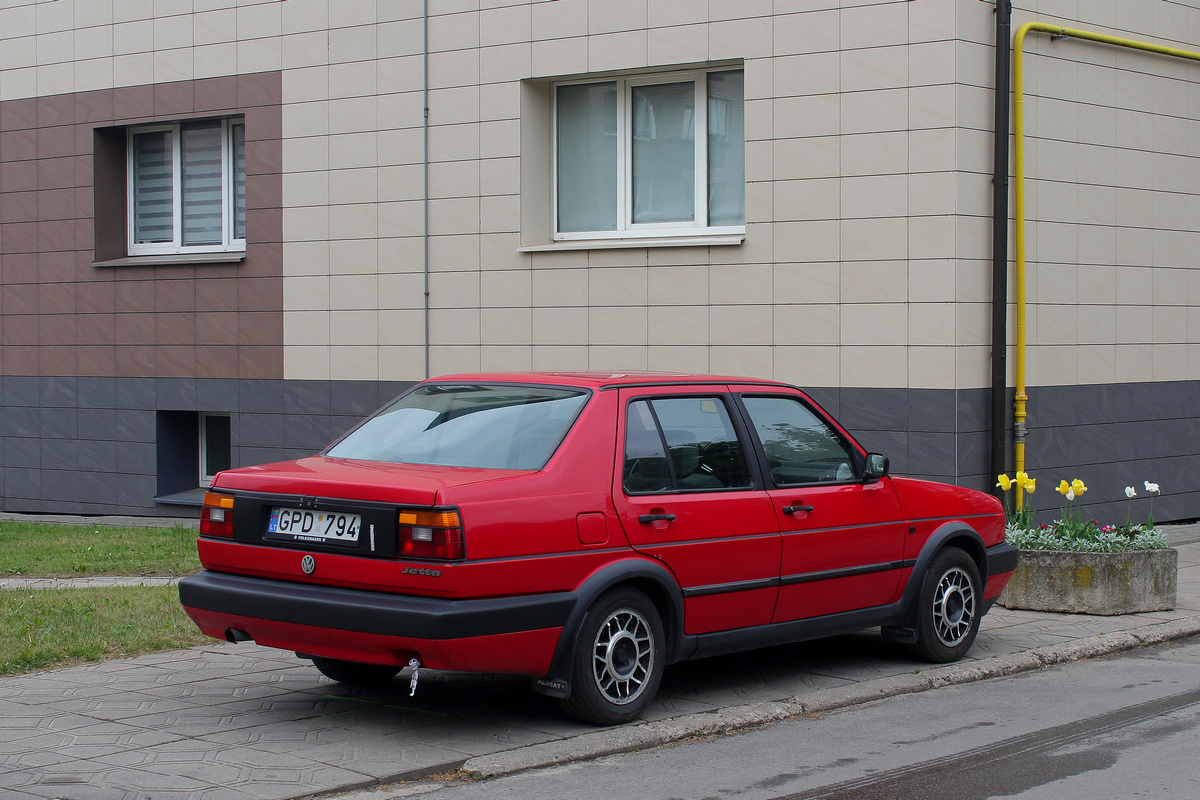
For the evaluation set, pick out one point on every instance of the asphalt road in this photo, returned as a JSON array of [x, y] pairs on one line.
[[1124, 726]]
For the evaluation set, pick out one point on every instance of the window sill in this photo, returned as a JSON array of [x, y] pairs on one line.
[[173, 259], [631, 242], [192, 497]]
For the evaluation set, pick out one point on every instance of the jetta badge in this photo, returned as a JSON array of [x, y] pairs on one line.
[[308, 564]]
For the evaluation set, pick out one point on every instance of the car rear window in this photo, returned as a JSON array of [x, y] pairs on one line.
[[467, 425]]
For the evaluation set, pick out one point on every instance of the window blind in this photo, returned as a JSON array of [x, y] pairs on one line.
[[200, 159], [153, 200]]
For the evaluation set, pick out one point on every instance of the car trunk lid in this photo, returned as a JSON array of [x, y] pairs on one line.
[[335, 505]]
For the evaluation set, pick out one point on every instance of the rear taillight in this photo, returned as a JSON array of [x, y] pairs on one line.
[[431, 534], [216, 517]]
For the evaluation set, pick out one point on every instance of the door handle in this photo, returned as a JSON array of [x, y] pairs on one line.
[[794, 509], [646, 519]]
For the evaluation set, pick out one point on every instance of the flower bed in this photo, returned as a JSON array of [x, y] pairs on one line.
[[1075, 582], [1090, 537], [1081, 566]]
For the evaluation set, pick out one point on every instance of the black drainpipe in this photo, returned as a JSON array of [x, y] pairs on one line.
[[1000, 244]]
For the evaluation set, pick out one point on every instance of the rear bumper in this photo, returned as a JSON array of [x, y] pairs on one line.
[[511, 634]]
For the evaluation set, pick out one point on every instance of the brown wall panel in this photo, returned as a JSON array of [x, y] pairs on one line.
[[62, 214], [96, 361], [18, 114]]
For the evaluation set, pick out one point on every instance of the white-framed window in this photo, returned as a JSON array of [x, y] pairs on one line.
[[187, 187], [216, 450], [628, 162]]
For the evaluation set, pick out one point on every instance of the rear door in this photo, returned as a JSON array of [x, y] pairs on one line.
[[688, 496], [842, 538]]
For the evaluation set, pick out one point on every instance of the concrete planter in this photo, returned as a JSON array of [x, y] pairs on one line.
[[1094, 583]]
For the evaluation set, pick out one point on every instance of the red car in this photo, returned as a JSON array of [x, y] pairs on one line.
[[588, 530]]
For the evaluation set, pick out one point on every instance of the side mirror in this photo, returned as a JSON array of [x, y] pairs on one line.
[[877, 467]]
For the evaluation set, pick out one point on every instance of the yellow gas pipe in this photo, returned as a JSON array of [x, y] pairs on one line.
[[1056, 32]]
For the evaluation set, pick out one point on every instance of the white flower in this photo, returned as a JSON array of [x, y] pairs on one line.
[[1070, 494], [1151, 487], [1130, 491]]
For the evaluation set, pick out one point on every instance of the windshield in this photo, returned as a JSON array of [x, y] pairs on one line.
[[467, 425]]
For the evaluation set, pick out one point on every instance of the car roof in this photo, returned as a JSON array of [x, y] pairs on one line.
[[601, 379]]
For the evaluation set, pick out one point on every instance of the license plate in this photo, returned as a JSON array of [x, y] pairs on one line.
[[304, 525]]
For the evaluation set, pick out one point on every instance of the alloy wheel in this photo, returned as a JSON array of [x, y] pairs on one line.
[[953, 606], [623, 656]]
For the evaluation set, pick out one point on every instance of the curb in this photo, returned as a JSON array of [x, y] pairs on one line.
[[613, 741], [86, 583]]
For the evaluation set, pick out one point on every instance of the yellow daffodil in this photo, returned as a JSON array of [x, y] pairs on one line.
[[1005, 482]]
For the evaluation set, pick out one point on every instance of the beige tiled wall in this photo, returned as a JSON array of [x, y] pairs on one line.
[[1113, 158], [867, 255]]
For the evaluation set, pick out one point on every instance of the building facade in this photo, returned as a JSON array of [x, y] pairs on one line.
[[230, 228]]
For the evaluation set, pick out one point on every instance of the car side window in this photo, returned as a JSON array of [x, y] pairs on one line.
[[646, 467], [800, 447], [682, 444]]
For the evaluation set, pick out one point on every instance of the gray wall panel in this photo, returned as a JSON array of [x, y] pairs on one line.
[[875, 409], [58, 392], [137, 458], [98, 392], [76, 451], [261, 430], [265, 397], [59, 423], [175, 393], [134, 493], [974, 408], [930, 453], [20, 421], [24, 482], [306, 431], [932, 410], [828, 399], [1117, 436], [136, 393], [21, 452], [97, 456], [355, 398], [306, 397], [135, 426], [216, 394], [60, 454], [893, 444], [974, 460], [20, 390], [98, 423]]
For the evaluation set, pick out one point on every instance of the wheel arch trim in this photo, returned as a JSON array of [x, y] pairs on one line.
[[951, 534], [652, 579]]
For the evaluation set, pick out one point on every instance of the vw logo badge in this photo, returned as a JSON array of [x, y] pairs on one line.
[[308, 564]]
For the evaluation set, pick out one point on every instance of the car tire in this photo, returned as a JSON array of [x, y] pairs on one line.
[[355, 673], [618, 660], [950, 608]]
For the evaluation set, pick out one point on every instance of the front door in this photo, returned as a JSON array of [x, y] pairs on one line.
[[688, 497], [843, 538]]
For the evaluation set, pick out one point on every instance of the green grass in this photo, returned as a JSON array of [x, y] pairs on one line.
[[33, 549], [58, 627], [47, 628]]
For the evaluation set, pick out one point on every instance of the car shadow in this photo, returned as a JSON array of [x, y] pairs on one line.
[[768, 674]]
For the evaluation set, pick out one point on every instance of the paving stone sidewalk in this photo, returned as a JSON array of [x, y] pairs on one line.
[[242, 722]]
